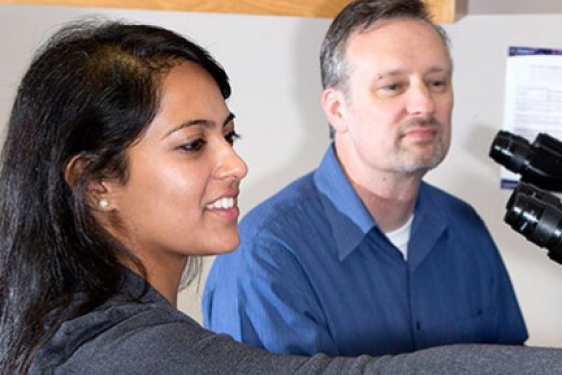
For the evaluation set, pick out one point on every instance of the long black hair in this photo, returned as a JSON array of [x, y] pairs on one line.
[[90, 91]]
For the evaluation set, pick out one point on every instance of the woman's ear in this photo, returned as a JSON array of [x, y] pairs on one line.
[[97, 194], [334, 106], [74, 169]]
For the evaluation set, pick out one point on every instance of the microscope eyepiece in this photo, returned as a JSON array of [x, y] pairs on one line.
[[537, 215]]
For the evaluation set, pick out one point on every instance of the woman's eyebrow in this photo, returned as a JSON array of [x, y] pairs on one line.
[[203, 122], [231, 116]]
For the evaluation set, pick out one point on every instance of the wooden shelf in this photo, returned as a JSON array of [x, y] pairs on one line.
[[444, 11]]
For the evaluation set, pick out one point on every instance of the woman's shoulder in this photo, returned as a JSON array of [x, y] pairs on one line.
[[111, 331], [150, 338]]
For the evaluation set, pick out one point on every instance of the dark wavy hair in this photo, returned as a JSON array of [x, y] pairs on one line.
[[90, 91]]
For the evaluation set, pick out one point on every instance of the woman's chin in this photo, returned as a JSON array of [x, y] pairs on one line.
[[227, 245]]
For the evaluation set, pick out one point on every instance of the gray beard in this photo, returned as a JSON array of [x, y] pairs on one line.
[[411, 164]]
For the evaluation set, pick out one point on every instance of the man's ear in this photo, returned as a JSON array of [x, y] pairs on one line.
[[96, 193], [334, 105]]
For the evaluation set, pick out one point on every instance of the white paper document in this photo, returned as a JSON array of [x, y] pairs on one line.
[[533, 97]]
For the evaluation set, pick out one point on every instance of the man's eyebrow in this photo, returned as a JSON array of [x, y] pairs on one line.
[[203, 122], [440, 69], [388, 73]]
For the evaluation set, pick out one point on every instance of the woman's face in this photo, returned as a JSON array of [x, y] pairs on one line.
[[181, 195]]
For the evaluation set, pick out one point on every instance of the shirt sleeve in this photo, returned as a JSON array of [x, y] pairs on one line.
[[261, 296], [180, 349]]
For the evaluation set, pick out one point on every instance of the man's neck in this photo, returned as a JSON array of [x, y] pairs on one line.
[[390, 200]]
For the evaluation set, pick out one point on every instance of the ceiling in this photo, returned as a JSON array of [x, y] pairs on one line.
[[446, 11]]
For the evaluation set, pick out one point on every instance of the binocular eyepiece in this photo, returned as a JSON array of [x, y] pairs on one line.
[[539, 163], [531, 211], [537, 215]]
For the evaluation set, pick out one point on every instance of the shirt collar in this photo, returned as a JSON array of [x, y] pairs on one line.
[[348, 217], [430, 223]]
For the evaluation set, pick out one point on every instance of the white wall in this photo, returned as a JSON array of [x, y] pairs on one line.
[[513, 6], [273, 65]]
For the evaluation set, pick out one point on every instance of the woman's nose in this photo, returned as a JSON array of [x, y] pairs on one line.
[[231, 164]]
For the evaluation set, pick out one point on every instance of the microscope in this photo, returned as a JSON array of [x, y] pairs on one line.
[[531, 209]]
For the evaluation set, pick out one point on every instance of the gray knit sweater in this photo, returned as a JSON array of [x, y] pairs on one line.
[[150, 336]]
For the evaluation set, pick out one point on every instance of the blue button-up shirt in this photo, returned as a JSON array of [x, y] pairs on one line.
[[315, 274]]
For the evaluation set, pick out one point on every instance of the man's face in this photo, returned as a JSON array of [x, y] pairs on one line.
[[395, 114]]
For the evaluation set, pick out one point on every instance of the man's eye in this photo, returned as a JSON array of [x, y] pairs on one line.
[[390, 90], [439, 84], [392, 86]]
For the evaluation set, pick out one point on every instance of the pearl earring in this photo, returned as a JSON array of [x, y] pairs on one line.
[[103, 203]]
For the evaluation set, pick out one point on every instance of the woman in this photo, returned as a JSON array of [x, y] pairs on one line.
[[117, 170]]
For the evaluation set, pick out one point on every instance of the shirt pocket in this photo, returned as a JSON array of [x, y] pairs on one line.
[[478, 327]]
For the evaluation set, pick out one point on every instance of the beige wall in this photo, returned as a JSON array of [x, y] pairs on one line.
[[273, 66]]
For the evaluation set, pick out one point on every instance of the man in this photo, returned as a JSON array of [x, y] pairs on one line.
[[361, 256]]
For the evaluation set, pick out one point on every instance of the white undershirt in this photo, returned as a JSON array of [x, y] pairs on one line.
[[401, 236]]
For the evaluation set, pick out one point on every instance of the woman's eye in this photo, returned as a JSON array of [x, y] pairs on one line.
[[231, 137], [194, 146]]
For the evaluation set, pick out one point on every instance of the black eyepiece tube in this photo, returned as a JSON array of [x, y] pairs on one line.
[[537, 215], [538, 163], [511, 151]]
